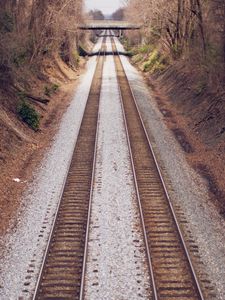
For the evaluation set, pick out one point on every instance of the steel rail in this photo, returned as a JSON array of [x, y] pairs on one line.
[[82, 288], [155, 295], [62, 191], [139, 203], [193, 273]]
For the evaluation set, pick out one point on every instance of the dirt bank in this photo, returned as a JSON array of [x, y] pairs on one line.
[[21, 148], [196, 116]]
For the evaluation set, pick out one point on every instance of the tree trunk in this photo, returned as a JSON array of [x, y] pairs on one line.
[[201, 26]]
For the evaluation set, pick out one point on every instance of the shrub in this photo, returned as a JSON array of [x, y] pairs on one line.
[[19, 59], [176, 51], [76, 57], [55, 87], [212, 59], [140, 49], [48, 91], [200, 87], [155, 63], [152, 60], [145, 49], [137, 58], [29, 115], [6, 22], [156, 32]]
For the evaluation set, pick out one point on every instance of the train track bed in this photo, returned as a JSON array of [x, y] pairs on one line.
[[62, 269], [115, 234], [101, 245], [116, 264], [170, 263]]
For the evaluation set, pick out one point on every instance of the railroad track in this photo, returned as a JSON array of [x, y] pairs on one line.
[[170, 266], [172, 273], [62, 269]]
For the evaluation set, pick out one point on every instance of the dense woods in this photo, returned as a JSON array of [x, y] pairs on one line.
[[35, 36], [32, 29], [96, 15], [184, 39], [118, 14], [192, 29], [39, 62]]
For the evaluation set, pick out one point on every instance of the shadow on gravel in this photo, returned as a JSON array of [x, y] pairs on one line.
[[109, 53], [205, 172], [182, 139]]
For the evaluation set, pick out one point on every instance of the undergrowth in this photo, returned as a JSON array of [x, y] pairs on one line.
[[148, 58], [200, 86], [76, 57], [29, 115], [156, 62], [6, 22], [49, 90]]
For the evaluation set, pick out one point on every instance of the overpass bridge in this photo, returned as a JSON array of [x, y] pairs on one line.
[[108, 24]]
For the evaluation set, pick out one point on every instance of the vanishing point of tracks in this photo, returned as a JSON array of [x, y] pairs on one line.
[[62, 274]]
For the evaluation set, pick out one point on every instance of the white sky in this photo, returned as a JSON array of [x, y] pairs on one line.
[[106, 6]]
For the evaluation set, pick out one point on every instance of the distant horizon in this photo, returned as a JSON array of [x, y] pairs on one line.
[[107, 9]]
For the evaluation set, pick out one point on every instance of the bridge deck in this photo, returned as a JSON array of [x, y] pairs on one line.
[[108, 24]]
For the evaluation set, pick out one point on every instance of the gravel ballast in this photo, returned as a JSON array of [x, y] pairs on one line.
[[116, 266]]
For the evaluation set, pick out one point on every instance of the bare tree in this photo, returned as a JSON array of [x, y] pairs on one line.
[[174, 21], [32, 29]]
